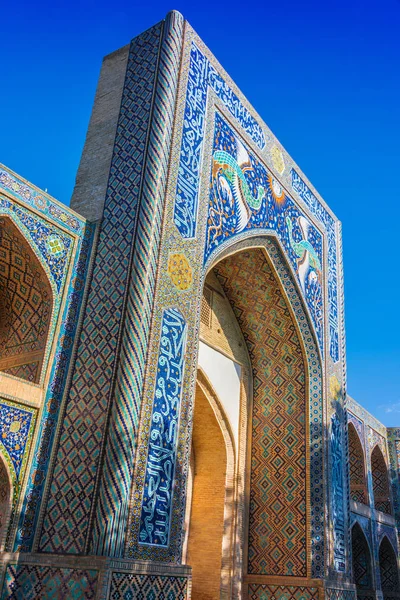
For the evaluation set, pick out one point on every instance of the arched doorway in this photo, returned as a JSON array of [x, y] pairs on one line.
[[210, 493], [26, 302], [358, 482], [390, 583], [362, 570], [380, 482], [5, 502]]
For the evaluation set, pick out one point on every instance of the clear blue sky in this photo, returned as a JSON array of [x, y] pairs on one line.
[[325, 77]]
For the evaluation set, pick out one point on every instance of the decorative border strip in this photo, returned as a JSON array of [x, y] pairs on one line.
[[160, 468]]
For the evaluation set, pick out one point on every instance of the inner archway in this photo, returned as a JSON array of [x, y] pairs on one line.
[[278, 482], [358, 483], [362, 570], [380, 482], [208, 495], [26, 301], [390, 583]]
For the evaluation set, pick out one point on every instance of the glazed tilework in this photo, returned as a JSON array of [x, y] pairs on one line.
[[66, 524], [161, 458], [32, 582], [318, 210], [202, 75], [358, 425], [112, 509], [338, 493], [337, 594], [127, 586], [245, 197], [41, 201], [54, 392], [389, 574], [61, 242], [16, 430], [258, 591], [277, 542]]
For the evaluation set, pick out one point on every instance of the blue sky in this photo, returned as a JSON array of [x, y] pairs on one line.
[[324, 76]]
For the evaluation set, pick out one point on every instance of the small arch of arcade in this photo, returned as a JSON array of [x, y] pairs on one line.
[[388, 569], [361, 563], [26, 303], [380, 481], [358, 478], [248, 321]]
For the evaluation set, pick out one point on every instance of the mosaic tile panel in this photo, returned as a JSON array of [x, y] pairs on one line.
[[319, 211], [113, 504], [32, 582], [66, 522], [337, 489], [259, 591], [16, 430], [244, 197], [126, 586], [201, 76], [358, 425], [278, 524], [39, 200], [54, 393], [161, 458]]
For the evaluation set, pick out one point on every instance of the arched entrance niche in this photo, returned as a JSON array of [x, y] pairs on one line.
[[26, 302], [362, 569], [390, 583], [284, 378], [380, 482], [5, 501], [358, 481], [210, 497]]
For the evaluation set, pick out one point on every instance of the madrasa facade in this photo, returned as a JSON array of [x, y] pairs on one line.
[[174, 420]]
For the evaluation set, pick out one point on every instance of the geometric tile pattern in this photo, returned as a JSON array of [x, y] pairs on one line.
[[388, 570], [244, 197], [362, 571], [259, 591], [380, 481], [110, 525], [128, 586], [337, 491], [66, 522], [335, 594], [278, 522], [160, 468], [26, 303], [201, 76], [358, 483], [16, 430], [31, 582]]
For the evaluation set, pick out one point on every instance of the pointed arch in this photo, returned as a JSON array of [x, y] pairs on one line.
[[210, 514], [358, 480], [362, 567], [388, 568], [5, 501], [26, 304], [380, 481]]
